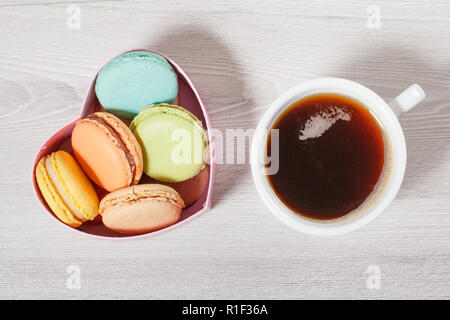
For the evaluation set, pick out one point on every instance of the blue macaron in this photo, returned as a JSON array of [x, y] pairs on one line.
[[134, 80]]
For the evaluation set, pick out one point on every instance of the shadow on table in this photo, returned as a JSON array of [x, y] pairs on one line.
[[217, 75], [390, 70]]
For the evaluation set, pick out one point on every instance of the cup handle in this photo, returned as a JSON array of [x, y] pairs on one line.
[[408, 99]]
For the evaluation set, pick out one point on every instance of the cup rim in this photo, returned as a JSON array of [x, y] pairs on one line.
[[369, 100]]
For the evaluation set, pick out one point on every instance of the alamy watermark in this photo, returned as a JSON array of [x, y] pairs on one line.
[[231, 146], [73, 282], [73, 21], [373, 281], [374, 18]]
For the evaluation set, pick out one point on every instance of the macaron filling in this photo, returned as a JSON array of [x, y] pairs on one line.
[[58, 184], [120, 144]]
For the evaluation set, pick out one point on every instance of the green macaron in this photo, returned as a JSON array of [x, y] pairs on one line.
[[174, 142]]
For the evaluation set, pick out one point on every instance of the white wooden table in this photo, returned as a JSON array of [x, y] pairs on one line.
[[241, 55]]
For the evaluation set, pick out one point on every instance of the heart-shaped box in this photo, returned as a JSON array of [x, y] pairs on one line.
[[188, 99]]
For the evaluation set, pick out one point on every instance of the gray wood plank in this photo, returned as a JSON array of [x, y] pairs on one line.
[[241, 55]]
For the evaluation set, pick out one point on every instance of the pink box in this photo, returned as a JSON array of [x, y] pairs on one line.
[[189, 99]]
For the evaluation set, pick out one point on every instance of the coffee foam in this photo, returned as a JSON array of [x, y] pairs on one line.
[[323, 120]]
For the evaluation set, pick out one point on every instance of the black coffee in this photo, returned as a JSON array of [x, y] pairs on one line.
[[331, 155]]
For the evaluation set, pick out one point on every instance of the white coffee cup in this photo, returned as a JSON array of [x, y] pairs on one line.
[[395, 153]]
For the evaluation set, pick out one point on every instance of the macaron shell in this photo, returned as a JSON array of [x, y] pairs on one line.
[[77, 185], [98, 154], [172, 140], [140, 209], [136, 192], [141, 217], [51, 196], [128, 139], [133, 80]]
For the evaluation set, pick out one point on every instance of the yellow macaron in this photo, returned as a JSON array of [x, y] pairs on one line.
[[66, 189]]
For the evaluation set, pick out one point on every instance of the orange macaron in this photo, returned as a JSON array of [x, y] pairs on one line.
[[107, 151]]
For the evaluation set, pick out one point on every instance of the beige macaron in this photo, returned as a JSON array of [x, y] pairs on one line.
[[140, 209]]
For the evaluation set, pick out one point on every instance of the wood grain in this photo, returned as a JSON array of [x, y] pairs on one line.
[[241, 55]]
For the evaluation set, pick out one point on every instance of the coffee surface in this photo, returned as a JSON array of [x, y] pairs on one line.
[[331, 156]]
